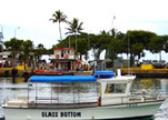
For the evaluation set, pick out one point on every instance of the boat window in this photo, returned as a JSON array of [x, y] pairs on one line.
[[63, 92], [115, 88]]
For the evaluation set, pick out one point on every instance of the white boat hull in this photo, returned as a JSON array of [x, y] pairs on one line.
[[103, 112]]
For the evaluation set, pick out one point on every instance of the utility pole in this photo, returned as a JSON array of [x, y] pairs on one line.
[[15, 31]]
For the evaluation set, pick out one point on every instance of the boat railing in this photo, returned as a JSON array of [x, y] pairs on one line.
[[91, 96], [65, 98], [148, 95], [42, 102]]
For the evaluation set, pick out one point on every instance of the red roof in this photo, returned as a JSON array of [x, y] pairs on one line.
[[63, 49]]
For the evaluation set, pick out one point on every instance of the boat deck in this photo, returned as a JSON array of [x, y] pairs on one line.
[[63, 105], [40, 104]]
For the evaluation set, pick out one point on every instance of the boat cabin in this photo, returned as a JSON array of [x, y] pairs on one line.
[[102, 88], [114, 89]]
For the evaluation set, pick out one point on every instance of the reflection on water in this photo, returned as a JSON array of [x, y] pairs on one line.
[[146, 84], [156, 86], [8, 90]]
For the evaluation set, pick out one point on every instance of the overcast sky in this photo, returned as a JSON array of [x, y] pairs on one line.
[[29, 19]]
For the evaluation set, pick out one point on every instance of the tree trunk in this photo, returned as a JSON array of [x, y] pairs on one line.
[[60, 31], [132, 60], [76, 44]]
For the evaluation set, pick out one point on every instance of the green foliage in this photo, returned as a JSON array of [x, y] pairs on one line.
[[15, 46], [165, 42], [58, 16], [155, 44], [24, 50], [115, 46], [117, 42], [26, 54], [39, 51], [74, 26]]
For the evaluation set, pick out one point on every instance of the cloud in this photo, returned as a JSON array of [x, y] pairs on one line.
[[33, 16]]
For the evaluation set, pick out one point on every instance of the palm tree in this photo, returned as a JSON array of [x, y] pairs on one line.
[[75, 27], [59, 17]]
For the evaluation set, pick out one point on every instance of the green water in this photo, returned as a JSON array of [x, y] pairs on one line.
[[148, 84]]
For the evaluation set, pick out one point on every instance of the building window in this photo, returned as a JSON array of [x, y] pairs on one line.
[[62, 53]]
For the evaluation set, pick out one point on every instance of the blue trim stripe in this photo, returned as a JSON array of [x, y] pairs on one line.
[[104, 74], [65, 78]]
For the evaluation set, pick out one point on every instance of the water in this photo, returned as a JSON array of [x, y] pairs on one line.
[[149, 85], [154, 86]]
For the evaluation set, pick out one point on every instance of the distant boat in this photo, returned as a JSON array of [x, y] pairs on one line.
[[114, 99], [58, 73]]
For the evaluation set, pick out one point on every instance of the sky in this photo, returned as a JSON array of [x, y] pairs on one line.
[[29, 19]]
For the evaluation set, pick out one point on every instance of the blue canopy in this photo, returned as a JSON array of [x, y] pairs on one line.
[[63, 78], [104, 74]]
